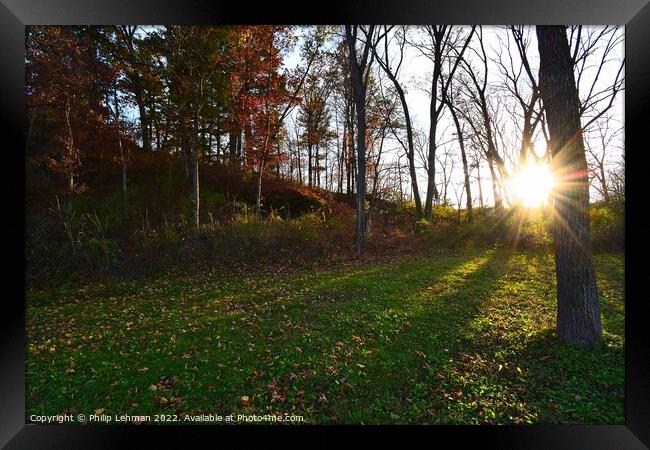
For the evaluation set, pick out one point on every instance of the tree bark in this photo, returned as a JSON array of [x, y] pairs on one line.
[[258, 194], [119, 140], [463, 157], [144, 118], [359, 93], [195, 183], [70, 147], [578, 312], [432, 191], [480, 187], [410, 151]]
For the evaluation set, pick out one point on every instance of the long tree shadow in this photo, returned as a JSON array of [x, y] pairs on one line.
[[411, 363], [323, 335]]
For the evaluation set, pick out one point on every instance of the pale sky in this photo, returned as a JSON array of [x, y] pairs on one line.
[[417, 69]]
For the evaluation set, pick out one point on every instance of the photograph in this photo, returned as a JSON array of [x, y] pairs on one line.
[[292, 224], [324, 224]]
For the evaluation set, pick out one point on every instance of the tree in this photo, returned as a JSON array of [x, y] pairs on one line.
[[599, 152], [578, 313], [194, 61], [525, 93], [262, 95], [463, 157], [133, 53], [314, 118], [593, 52], [67, 82], [443, 46], [480, 100], [359, 73], [392, 71]]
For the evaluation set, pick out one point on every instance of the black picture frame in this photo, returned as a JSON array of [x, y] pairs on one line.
[[634, 14]]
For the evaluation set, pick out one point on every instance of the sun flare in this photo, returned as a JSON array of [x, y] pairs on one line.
[[532, 184]]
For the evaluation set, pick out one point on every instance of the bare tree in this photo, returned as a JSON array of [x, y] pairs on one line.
[[594, 49], [521, 84], [463, 154], [442, 46], [359, 73], [479, 98], [605, 138], [392, 71]]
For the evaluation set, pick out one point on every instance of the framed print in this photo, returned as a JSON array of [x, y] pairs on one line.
[[237, 218]]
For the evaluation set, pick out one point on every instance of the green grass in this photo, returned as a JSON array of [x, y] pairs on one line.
[[434, 339]]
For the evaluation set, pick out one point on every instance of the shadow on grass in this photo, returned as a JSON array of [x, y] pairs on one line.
[[387, 343]]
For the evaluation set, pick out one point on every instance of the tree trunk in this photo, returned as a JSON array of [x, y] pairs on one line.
[[144, 118], [463, 156], [578, 312], [432, 191], [70, 148], [185, 151], [124, 187], [410, 156], [359, 93], [119, 141], [498, 203], [603, 181], [309, 165], [258, 194], [195, 183], [480, 187]]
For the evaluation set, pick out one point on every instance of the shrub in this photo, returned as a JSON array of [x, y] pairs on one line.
[[608, 226]]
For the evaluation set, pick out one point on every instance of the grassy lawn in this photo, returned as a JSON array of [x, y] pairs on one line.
[[440, 338]]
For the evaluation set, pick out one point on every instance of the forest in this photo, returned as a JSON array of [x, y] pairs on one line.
[[359, 224]]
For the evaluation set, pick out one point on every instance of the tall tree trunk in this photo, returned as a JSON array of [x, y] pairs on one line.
[[195, 182], [463, 157], [70, 148], [492, 156], [603, 181], [480, 187], [578, 312], [359, 93], [298, 160], [309, 165], [258, 194], [432, 191], [124, 186], [119, 141], [342, 157], [185, 151], [144, 118], [410, 152], [498, 203]]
